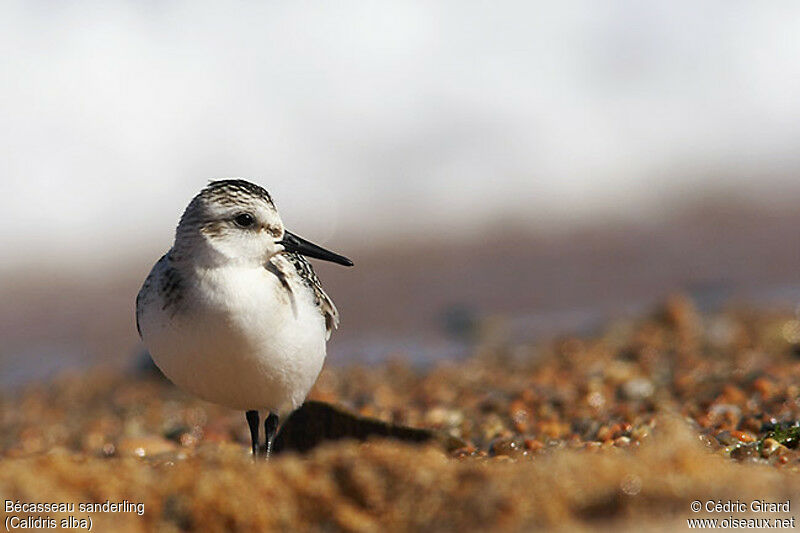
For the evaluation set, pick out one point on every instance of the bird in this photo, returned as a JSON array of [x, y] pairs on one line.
[[234, 313]]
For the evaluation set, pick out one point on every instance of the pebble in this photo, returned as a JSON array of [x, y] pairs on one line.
[[507, 447], [708, 441], [725, 438], [604, 433], [622, 442], [770, 446], [533, 444], [443, 417], [144, 446], [745, 452], [638, 389], [640, 432], [631, 485], [743, 436]]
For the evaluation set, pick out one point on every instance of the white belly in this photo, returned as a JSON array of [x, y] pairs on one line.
[[240, 339]]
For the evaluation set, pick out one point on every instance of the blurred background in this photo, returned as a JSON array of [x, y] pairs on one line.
[[516, 169]]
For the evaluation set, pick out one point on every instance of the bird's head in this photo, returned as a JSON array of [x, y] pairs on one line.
[[233, 220]]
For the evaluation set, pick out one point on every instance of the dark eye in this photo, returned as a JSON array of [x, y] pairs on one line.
[[245, 220]]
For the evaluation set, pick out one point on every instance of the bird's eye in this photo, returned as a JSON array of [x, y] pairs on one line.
[[245, 220]]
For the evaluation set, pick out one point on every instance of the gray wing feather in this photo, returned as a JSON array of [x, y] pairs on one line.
[[323, 301], [146, 291]]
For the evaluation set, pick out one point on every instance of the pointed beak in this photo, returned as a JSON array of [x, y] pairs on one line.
[[298, 245]]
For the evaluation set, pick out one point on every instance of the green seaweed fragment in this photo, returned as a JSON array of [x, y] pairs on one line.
[[787, 433]]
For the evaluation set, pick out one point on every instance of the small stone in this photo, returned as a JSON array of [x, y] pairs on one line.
[[187, 439], [592, 446], [508, 447], [596, 399], [144, 446], [709, 442], [638, 389], [441, 417], [109, 449], [769, 447], [533, 444], [631, 485], [744, 452], [463, 452], [743, 436], [493, 427], [519, 415], [604, 433], [725, 438], [554, 430], [640, 433]]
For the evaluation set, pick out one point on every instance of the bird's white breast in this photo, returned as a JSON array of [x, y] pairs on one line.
[[237, 336]]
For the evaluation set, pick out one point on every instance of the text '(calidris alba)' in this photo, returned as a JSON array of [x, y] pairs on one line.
[[233, 312]]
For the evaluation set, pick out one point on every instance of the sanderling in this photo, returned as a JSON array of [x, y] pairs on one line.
[[233, 312]]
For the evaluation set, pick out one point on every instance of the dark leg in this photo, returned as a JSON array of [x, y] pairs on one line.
[[270, 428], [252, 421]]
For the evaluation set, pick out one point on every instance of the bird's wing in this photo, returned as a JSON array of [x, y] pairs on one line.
[[146, 292], [323, 301]]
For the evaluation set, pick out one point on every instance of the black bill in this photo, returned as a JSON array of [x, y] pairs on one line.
[[293, 243]]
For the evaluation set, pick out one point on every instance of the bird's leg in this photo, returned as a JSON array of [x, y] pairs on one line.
[[252, 421], [270, 428]]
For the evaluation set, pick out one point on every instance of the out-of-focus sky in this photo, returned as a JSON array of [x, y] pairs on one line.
[[367, 119]]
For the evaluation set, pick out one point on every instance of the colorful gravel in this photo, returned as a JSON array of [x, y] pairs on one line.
[[623, 429]]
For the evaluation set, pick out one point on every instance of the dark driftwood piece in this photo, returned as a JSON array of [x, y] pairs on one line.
[[317, 422]]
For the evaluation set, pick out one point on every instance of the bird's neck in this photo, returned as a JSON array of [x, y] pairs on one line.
[[200, 260]]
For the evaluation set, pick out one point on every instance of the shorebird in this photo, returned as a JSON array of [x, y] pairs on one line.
[[233, 312]]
